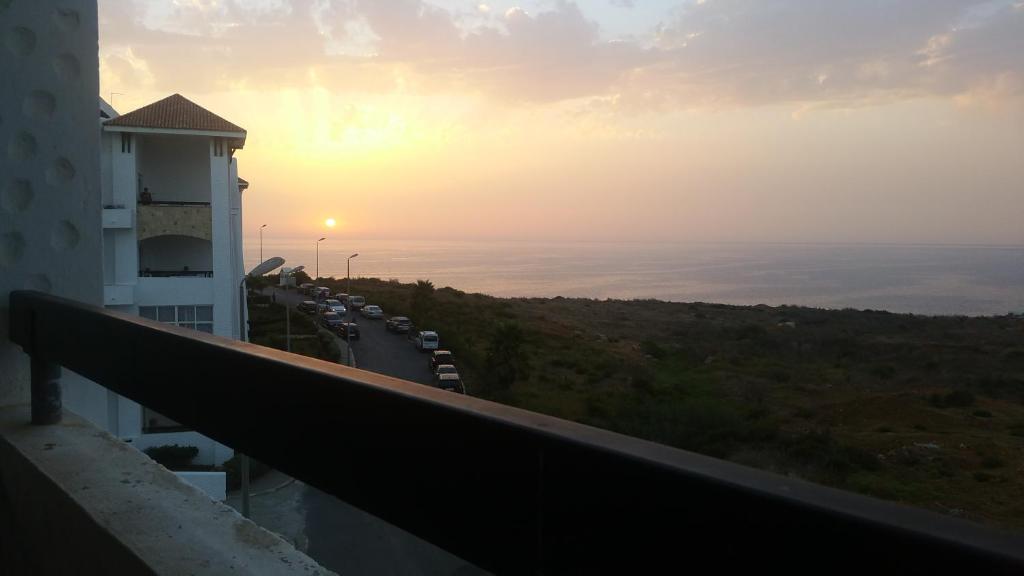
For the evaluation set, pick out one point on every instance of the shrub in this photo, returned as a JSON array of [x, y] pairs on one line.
[[172, 456], [883, 371], [982, 413], [959, 398], [653, 349]]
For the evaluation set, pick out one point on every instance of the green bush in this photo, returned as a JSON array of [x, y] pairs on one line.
[[172, 456]]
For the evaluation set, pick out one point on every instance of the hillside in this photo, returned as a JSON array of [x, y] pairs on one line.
[[923, 410]]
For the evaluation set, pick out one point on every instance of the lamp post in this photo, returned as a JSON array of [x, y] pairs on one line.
[[287, 309], [261, 241], [318, 258], [348, 288], [243, 335]]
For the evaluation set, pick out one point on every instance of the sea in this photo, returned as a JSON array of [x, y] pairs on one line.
[[921, 279]]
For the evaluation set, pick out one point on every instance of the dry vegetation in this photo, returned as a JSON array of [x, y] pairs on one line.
[[923, 410]]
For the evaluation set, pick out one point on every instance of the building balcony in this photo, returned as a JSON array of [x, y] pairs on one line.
[[118, 294], [510, 490], [175, 289], [117, 217], [192, 219]]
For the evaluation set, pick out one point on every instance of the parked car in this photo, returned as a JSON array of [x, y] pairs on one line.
[[445, 369], [372, 311], [356, 302], [335, 306], [426, 340], [451, 383], [331, 319], [305, 288], [398, 324], [351, 328], [440, 357], [309, 307]]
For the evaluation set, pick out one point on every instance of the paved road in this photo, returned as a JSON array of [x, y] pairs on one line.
[[378, 350], [345, 539]]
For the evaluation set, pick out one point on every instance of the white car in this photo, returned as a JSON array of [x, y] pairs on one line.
[[445, 369], [335, 306], [427, 340], [372, 311]]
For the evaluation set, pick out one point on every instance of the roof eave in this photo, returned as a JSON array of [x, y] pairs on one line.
[[240, 136]]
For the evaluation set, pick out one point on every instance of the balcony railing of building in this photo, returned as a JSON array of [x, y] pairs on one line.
[[147, 273], [171, 203], [510, 490]]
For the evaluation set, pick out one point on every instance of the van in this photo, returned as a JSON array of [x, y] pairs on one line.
[[356, 302], [427, 340]]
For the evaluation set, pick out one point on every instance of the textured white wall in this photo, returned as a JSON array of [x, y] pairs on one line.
[[49, 169]]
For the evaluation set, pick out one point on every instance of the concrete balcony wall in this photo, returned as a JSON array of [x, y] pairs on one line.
[[118, 294], [75, 500], [174, 291], [173, 220], [117, 218]]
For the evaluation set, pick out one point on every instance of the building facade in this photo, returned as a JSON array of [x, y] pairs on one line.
[[172, 239]]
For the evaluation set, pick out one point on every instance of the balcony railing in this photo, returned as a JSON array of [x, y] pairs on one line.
[[511, 490], [147, 273]]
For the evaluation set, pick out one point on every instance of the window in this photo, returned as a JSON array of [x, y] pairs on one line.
[[188, 316], [126, 143], [218, 146], [195, 317]]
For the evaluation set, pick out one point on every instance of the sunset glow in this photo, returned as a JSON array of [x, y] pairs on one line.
[[330, 223], [555, 120]]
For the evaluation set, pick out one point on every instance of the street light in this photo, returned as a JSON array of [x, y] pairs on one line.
[[287, 308], [261, 241], [243, 335], [318, 258], [348, 288]]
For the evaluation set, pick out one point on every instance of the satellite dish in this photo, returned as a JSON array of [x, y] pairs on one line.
[[267, 265]]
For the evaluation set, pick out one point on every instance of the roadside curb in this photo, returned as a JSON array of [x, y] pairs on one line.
[[280, 486]]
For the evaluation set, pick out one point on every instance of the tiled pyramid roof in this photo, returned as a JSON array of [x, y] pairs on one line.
[[175, 113]]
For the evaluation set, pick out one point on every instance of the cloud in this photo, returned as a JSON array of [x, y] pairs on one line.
[[843, 52], [719, 53]]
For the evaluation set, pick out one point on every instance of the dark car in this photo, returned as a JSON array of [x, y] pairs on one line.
[[350, 327], [309, 307], [331, 319], [398, 324], [440, 357]]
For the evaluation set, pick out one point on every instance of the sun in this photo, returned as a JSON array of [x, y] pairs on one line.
[[330, 222]]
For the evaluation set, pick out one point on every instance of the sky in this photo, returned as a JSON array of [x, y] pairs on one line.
[[876, 121]]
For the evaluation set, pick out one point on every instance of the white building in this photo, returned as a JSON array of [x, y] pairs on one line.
[[172, 237]]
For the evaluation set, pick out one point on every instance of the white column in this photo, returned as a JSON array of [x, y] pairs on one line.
[[225, 279]]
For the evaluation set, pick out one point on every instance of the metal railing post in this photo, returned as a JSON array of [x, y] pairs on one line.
[[46, 393]]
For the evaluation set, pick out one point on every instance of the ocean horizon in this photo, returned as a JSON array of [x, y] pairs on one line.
[[969, 280]]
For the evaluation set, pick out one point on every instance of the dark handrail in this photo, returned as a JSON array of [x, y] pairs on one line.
[[175, 273], [508, 489], [172, 203]]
